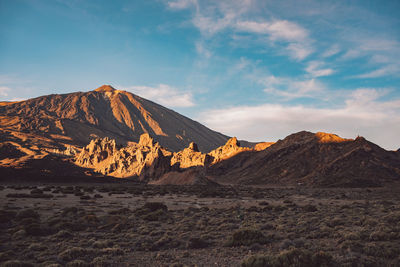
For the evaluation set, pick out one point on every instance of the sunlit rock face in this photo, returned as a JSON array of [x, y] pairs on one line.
[[133, 160], [148, 161]]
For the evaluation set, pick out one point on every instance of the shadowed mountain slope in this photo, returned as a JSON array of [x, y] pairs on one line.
[[315, 159], [76, 118]]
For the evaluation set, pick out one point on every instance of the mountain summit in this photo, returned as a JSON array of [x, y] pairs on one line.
[[105, 88]]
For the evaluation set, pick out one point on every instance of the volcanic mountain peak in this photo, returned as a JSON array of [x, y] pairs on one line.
[[106, 111], [105, 88]]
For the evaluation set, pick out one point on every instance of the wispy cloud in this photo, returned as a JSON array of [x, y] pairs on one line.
[[163, 94], [383, 71], [215, 17], [299, 44], [292, 88], [383, 54], [202, 50], [181, 4], [361, 113], [277, 29], [4, 90], [333, 50], [299, 51], [316, 69]]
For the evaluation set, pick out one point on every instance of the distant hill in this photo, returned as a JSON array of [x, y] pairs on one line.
[[315, 159]]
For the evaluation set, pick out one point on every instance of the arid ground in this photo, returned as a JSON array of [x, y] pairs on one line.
[[126, 224]]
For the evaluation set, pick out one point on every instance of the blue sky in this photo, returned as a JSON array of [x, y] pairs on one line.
[[259, 70]]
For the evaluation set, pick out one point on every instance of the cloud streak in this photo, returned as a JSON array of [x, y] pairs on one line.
[[163, 94], [290, 88], [4, 90], [315, 68]]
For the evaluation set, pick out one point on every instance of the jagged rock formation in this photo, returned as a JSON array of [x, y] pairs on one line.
[[315, 159], [145, 158], [230, 149], [76, 118], [190, 157], [148, 161]]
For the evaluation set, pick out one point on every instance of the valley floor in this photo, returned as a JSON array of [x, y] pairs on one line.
[[137, 225]]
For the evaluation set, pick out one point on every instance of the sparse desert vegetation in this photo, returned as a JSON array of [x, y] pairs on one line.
[[142, 225]]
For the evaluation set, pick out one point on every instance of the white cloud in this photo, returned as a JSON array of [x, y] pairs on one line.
[[299, 44], [383, 71], [277, 29], [4, 90], [315, 68], [285, 30], [382, 54], [210, 26], [333, 50], [299, 51], [202, 50], [181, 4], [290, 88], [362, 114], [164, 95]]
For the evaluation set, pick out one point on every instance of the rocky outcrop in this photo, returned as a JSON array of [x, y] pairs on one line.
[[190, 157], [230, 149], [144, 159], [150, 162]]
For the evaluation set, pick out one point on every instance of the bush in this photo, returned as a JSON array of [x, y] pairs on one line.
[[6, 216], [196, 242], [63, 234], [73, 253], [78, 263], [290, 258], [153, 206], [28, 213], [246, 237], [153, 211], [16, 263], [35, 229], [103, 244], [310, 208]]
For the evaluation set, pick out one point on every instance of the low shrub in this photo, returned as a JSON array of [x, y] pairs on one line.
[[16, 263], [74, 253], [7, 216], [246, 237], [196, 242], [290, 258]]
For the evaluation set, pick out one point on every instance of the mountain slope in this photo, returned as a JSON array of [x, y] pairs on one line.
[[307, 158], [76, 118]]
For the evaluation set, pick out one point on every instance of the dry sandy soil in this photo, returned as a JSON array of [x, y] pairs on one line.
[[127, 224]]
